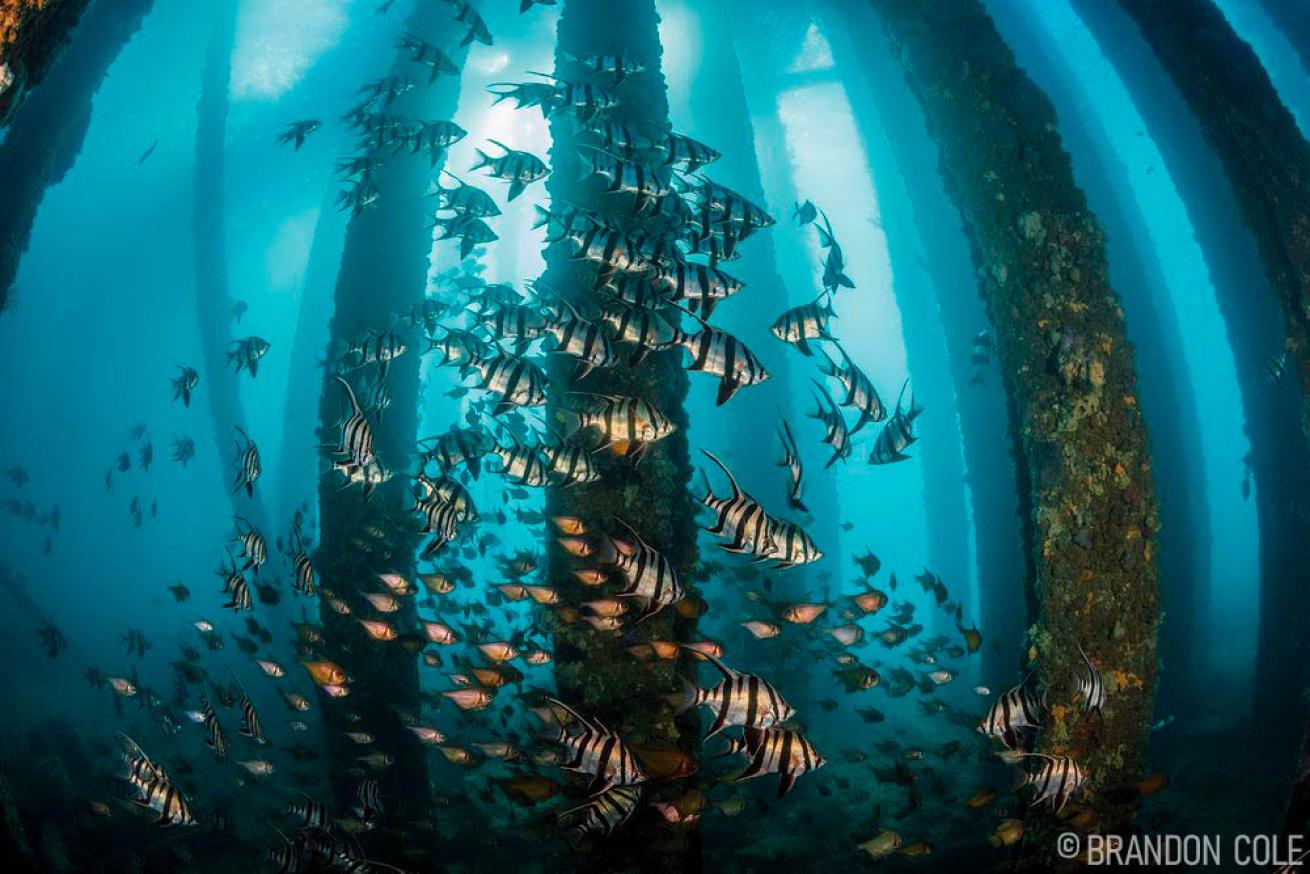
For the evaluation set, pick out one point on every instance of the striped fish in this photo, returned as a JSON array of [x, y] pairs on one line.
[[581, 339], [860, 392], [246, 354], [184, 384], [1013, 716], [448, 491], [311, 813], [465, 199], [739, 519], [701, 286], [726, 206], [615, 137], [1091, 686], [520, 169], [523, 464], [739, 700], [516, 321], [250, 726], [720, 353], [801, 324], [248, 465], [780, 751], [602, 813], [304, 581], [455, 447], [836, 434], [621, 176], [616, 66], [583, 101], [570, 462], [791, 545], [690, 154], [791, 459], [1055, 780], [459, 348], [897, 434], [650, 577], [356, 434], [611, 251], [254, 549], [155, 791], [598, 751], [214, 732], [370, 807], [518, 381], [645, 329], [628, 423], [377, 347], [240, 594]]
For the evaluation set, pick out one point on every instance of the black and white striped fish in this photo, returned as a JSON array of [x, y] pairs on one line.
[[449, 491], [836, 434], [801, 324], [649, 576], [791, 545], [598, 751], [248, 464], [570, 462], [356, 441], [457, 446], [254, 549], [626, 423], [739, 700], [701, 286], [615, 66], [155, 790], [727, 207], [238, 591], [780, 751], [897, 434], [718, 352], [645, 329], [250, 726], [1056, 779], [514, 321], [1090, 685], [518, 168], [518, 381], [583, 100], [602, 813], [791, 459], [611, 251], [214, 738], [523, 464], [370, 807], [579, 338], [304, 581], [465, 199], [1013, 716], [377, 347], [690, 154], [618, 138], [860, 392], [739, 518], [645, 184]]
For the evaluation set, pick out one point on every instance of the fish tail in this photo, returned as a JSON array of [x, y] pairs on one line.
[[686, 699]]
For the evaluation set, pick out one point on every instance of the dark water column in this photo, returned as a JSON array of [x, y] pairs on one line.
[[1000, 556], [1068, 372], [45, 136], [1267, 163], [384, 269], [722, 118], [1293, 19], [219, 385], [593, 669], [1170, 411]]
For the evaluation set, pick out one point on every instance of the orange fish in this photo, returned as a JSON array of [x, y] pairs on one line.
[[665, 763], [437, 584], [803, 614], [762, 630], [871, 601], [578, 547], [542, 594], [325, 673], [529, 789], [469, 699], [377, 629], [666, 650], [591, 576], [606, 607], [439, 632], [498, 651], [691, 607], [513, 591], [397, 584], [570, 525], [711, 648]]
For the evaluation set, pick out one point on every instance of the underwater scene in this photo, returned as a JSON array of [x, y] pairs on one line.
[[654, 435]]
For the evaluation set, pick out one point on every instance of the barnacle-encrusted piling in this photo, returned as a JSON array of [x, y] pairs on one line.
[[1267, 162], [45, 134], [1084, 463], [384, 269], [593, 669]]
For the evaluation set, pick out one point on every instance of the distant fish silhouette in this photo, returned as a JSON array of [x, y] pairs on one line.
[[147, 153]]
